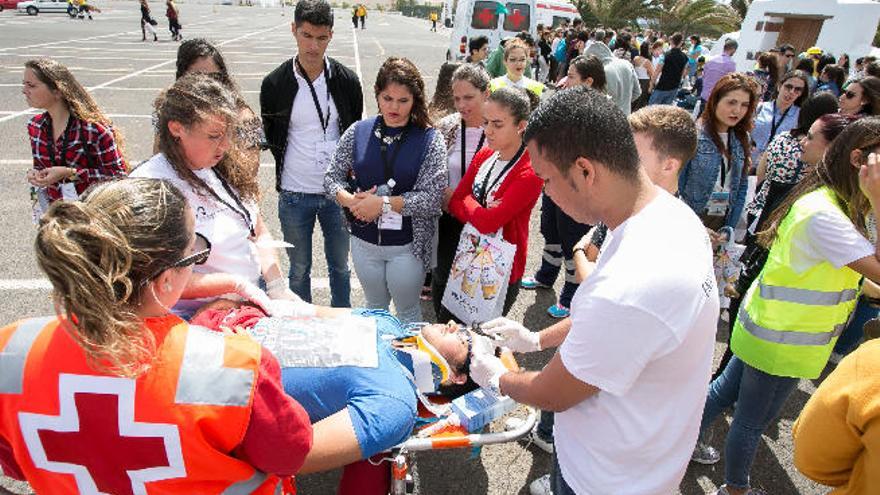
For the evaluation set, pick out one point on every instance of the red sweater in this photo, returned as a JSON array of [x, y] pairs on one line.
[[518, 194]]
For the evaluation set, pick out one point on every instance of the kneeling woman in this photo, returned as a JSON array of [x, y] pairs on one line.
[[211, 169], [203, 413], [500, 188]]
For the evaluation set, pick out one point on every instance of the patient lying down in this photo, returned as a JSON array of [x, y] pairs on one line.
[[358, 373]]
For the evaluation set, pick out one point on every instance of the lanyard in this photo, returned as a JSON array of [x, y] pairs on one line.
[[241, 210], [383, 148], [726, 167], [65, 140], [775, 126], [485, 187], [464, 164], [325, 121]]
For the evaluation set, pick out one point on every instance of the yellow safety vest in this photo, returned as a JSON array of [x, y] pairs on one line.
[[789, 322], [531, 85]]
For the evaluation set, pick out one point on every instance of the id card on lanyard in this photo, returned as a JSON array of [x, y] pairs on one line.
[[391, 220], [324, 149], [719, 201]]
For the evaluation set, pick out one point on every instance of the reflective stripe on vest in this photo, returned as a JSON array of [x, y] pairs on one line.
[[806, 296], [250, 485], [786, 336], [203, 378], [14, 355]]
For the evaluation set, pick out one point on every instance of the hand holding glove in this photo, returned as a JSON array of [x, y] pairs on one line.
[[512, 335], [487, 370], [250, 292]]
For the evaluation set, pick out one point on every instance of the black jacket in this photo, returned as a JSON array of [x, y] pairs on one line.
[[279, 89]]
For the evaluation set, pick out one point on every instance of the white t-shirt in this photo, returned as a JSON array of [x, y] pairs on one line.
[[302, 172], [643, 332], [827, 236], [472, 135], [231, 249]]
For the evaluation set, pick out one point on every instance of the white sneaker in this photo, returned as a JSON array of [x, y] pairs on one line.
[[540, 442], [541, 486], [705, 454]]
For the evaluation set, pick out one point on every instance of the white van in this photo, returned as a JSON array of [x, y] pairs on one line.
[[474, 18], [552, 13]]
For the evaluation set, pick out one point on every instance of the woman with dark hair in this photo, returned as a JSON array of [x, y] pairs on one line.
[[389, 173], [441, 103], [147, 22], [780, 114], [586, 70], [714, 182], [767, 74], [645, 72], [500, 188], [806, 66], [861, 97], [831, 79], [74, 144], [199, 55], [793, 312], [201, 155]]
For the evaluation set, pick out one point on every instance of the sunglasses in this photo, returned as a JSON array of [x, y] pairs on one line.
[[791, 87], [849, 93], [201, 252]]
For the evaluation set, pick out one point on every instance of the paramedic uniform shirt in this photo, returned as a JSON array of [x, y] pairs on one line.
[[643, 332]]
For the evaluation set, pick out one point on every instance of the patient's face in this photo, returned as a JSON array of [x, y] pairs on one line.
[[449, 342]]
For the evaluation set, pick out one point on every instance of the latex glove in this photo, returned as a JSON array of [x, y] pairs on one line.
[[483, 345], [250, 292], [512, 334], [278, 289], [486, 371], [289, 308]]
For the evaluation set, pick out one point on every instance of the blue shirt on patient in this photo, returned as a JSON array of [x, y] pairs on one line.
[[381, 401]]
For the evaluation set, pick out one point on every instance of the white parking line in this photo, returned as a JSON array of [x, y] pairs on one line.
[[357, 56], [12, 284]]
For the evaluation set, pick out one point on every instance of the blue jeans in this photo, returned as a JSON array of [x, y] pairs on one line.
[[854, 331], [560, 234], [661, 97], [297, 212], [759, 397], [544, 429], [558, 486], [389, 273]]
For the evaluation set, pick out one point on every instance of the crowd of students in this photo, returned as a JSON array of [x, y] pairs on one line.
[[636, 201]]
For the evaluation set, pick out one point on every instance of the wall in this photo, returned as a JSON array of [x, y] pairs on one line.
[[850, 30]]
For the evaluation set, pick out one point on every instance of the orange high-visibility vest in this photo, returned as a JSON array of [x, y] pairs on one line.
[[171, 430]]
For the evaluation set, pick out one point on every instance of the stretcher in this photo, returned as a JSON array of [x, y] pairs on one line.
[[451, 437]]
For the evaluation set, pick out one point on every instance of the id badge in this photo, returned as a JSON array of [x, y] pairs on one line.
[[323, 153], [718, 203], [391, 221], [68, 192]]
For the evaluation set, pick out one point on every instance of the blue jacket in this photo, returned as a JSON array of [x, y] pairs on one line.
[[698, 178]]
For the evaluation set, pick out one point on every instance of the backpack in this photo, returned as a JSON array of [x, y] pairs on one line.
[[559, 54]]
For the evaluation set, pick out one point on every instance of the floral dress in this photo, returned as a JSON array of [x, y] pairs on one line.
[[784, 165]]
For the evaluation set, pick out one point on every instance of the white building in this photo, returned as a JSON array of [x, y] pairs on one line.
[[836, 26]]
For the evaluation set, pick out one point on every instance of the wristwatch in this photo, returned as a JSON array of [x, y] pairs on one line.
[[386, 205]]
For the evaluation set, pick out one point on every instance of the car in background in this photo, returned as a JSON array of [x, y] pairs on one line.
[[34, 7], [8, 4]]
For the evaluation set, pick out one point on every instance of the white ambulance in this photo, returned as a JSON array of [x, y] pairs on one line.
[[552, 13], [472, 18]]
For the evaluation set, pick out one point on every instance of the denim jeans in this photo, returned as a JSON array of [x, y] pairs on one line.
[[558, 486], [854, 331], [389, 273], [759, 397], [560, 234], [297, 212], [661, 97], [545, 426]]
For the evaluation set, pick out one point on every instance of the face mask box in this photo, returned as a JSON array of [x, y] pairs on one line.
[[478, 408]]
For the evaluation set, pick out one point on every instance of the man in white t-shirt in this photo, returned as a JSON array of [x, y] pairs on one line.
[[306, 104], [629, 380]]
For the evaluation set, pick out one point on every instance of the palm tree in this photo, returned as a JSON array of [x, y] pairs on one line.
[[695, 16], [741, 7], [614, 13]]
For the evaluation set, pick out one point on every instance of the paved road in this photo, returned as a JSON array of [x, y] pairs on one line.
[[126, 74]]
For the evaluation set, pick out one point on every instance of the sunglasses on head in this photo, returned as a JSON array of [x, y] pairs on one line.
[[201, 252]]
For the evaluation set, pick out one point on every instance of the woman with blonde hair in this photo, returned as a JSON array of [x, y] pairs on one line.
[[157, 406], [74, 144]]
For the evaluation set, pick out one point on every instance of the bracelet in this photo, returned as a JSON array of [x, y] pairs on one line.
[[575, 250]]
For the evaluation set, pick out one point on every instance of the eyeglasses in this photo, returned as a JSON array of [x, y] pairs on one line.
[[791, 87], [201, 252], [849, 93]]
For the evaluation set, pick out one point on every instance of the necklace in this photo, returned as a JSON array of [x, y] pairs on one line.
[[387, 140]]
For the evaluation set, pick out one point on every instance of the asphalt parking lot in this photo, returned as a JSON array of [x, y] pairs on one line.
[[125, 75]]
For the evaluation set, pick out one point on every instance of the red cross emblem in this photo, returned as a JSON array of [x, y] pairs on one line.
[[516, 18], [96, 439], [486, 16]]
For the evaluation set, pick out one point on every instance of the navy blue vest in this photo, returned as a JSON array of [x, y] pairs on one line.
[[369, 171]]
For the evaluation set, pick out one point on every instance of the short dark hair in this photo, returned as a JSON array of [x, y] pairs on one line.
[[817, 105], [526, 37], [476, 43], [315, 12], [873, 69], [671, 129], [730, 44], [515, 100], [786, 48], [676, 39], [582, 122], [590, 66]]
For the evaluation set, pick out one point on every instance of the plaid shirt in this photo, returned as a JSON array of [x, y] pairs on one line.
[[103, 161]]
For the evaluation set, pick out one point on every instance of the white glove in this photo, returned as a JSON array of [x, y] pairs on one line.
[[278, 289], [250, 292], [512, 334], [486, 371], [288, 308]]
